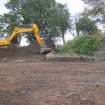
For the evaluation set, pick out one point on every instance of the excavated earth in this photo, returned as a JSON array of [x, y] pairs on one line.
[[26, 78]]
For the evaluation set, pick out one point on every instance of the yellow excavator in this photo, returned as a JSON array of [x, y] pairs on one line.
[[8, 41]]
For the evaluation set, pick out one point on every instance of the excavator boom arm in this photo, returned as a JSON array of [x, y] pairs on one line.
[[34, 29], [18, 30]]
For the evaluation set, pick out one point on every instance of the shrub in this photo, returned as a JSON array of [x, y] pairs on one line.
[[84, 45]]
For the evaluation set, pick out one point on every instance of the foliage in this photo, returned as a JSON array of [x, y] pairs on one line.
[[62, 21], [84, 45], [23, 13], [97, 10], [86, 26], [93, 2], [2, 23]]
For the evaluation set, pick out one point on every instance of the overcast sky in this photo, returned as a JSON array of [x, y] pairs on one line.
[[75, 6], [2, 7]]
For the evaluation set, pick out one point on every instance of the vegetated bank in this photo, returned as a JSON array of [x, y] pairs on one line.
[[83, 45]]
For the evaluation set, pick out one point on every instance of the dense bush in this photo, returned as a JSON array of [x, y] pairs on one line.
[[84, 45]]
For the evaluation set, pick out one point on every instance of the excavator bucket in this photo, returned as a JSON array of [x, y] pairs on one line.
[[45, 50], [48, 46]]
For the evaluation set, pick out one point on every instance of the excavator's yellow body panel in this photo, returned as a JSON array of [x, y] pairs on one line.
[[5, 42], [37, 35]]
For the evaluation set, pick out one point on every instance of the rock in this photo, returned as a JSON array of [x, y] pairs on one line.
[[51, 55]]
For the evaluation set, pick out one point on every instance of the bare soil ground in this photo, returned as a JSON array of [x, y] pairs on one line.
[[30, 80]]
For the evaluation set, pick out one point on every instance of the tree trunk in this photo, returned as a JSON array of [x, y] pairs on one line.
[[78, 33], [63, 37]]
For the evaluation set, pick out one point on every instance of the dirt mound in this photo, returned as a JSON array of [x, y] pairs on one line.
[[18, 51], [20, 54]]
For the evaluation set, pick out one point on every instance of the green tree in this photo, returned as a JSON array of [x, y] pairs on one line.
[[62, 21], [2, 23], [93, 2], [98, 9], [86, 26], [23, 12]]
